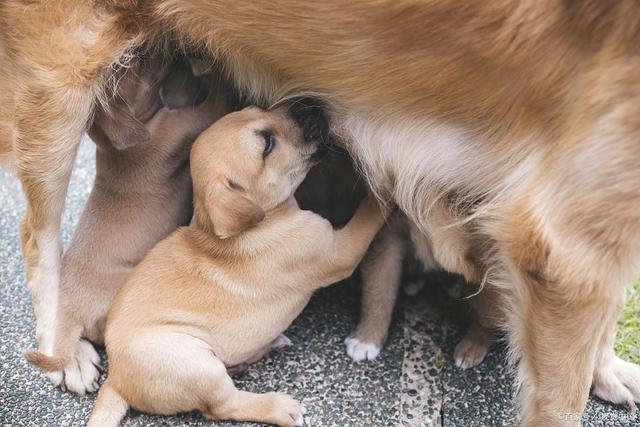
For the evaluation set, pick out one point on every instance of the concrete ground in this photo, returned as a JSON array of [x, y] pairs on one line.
[[413, 383]]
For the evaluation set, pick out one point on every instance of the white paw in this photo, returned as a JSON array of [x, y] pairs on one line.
[[618, 382], [359, 350], [281, 343], [81, 375], [471, 351]]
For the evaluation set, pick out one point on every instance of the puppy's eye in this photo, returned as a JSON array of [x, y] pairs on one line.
[[269, 142]]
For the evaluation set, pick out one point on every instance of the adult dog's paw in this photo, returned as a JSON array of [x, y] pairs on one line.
[[360, 350], [82, 373], [617, 381]]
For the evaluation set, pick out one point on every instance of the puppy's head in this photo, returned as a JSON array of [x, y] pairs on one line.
[[251, 161]]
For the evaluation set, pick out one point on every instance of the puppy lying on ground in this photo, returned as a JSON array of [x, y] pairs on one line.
[[220, 292], [142, 193]]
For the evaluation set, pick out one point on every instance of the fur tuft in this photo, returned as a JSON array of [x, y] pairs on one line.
[[44, 362]]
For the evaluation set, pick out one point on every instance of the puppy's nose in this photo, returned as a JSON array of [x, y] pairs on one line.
[[310, 115]]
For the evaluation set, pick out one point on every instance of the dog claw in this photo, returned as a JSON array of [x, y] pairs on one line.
[[281, 343]]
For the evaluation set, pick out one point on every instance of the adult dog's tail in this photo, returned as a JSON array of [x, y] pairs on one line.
[[110, 408]]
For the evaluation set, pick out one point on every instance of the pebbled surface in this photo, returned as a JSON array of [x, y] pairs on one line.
[[414, 381]]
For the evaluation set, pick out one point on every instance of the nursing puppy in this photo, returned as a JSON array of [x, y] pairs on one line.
[[220, 292], [525, 109], [142, 193], [399, 252]]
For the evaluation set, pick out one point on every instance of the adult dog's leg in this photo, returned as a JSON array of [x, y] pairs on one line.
[[61, 52], [49, 125], [553, 329], [559, 313]]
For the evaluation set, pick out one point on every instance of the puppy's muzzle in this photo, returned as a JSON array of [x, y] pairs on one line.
[[310, 115]]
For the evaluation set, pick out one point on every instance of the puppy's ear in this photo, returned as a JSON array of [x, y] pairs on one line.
[[230, 210], [120, 128]]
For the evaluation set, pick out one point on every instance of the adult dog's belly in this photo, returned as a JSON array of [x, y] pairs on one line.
[[416, 162]]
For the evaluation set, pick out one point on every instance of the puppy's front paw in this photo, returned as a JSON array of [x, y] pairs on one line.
[[287, 411], [82, 373], [360, 350], [618, 382], [472, 350]]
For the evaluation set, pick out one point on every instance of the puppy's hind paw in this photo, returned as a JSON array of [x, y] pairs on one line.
[[281, 343], [360, 350], [82, 373], [617, 381], [287, 411], [471, 350]]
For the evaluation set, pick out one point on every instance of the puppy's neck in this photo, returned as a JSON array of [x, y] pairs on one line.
[[274, 218]]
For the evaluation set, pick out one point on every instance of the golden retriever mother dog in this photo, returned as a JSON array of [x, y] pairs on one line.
[[523, 112]]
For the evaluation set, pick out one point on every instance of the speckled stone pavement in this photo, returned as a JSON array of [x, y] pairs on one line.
[[413, 383]]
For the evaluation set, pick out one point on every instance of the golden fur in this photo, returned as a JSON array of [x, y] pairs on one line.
[[527, 110]]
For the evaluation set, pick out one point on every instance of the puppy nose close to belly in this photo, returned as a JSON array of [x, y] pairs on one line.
[[309, 114]]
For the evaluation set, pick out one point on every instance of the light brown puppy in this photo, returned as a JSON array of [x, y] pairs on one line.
[[142, 193], [333, 189], [220, 292], [401, 251], [526, 109]]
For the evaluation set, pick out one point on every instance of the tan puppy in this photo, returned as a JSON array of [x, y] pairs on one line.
[[220, 292], [142, 193], [525, 109], [400, 251]]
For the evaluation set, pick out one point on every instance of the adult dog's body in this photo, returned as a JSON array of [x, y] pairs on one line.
[[525, 113]]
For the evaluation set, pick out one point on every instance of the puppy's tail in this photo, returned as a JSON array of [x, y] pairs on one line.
[[110, 408], [46, 363], [67, 337]]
